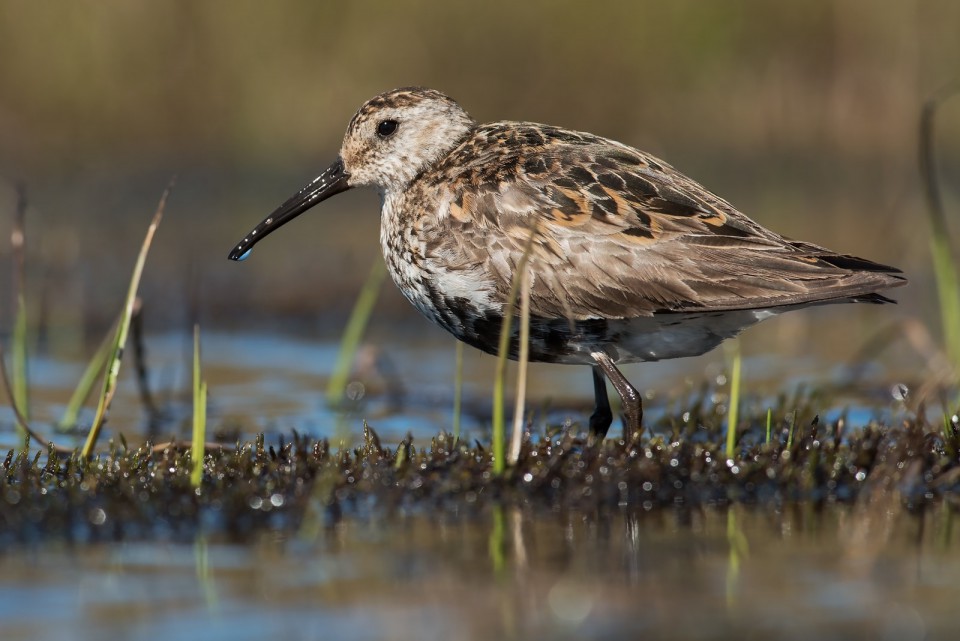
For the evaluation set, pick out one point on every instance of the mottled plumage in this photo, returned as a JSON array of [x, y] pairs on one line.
[[630, 260]]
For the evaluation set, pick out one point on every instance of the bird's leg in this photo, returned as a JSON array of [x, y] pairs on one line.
[[629, 396], [602, 416]]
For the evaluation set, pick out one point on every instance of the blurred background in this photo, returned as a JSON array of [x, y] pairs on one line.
[[804, 115]]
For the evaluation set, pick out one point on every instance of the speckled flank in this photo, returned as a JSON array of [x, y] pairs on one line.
[[630, 258]]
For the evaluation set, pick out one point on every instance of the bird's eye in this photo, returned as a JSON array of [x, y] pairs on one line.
[[387, 128]]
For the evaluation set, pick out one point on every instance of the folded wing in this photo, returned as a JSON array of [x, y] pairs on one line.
[[616, 233]]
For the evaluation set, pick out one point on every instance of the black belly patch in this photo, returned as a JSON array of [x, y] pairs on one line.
[[551, 340]]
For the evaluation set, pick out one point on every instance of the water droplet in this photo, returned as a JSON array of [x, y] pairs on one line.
[[899, 392], [355, 390], [245, 255]]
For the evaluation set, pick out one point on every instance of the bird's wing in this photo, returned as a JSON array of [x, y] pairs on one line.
[[616, 233]]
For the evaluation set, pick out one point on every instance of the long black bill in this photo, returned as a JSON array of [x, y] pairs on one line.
[[330, 182]]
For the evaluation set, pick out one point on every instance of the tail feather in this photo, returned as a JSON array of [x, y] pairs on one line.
[[874, 298]]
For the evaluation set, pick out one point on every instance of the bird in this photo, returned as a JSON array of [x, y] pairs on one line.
[[628, 259]]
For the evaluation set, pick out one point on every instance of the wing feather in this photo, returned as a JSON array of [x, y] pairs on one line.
[[621, 234]]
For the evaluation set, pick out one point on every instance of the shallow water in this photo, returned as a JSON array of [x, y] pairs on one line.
[[839, 573], [870, 572], [273, 383]]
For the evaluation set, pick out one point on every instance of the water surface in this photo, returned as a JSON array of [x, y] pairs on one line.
[[797, 573], [275, 383]]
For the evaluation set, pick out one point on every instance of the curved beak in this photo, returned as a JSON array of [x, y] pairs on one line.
[[330, 182]]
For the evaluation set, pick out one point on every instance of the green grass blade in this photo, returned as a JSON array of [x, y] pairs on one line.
[[948, 292], [18, 243], [519, 410], [499, 383], [503, 352], [732, 413], [404, 452], [944, 262], [21, 421], [119, 342], [19, 357], [457, 391], [199, 414], [87, 381], [353, 332], [140, 366], [769, 416]]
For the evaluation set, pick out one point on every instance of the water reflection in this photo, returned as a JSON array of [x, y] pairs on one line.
[[508, 573]]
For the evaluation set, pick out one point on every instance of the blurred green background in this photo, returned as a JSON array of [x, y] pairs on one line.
[[803, 114]]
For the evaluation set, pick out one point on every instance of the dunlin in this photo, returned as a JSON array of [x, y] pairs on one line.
[[629, 259]]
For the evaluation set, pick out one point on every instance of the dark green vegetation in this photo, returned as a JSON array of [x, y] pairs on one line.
[[252, 489]]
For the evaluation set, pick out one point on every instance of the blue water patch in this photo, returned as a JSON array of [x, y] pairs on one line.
[[275, 383]]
